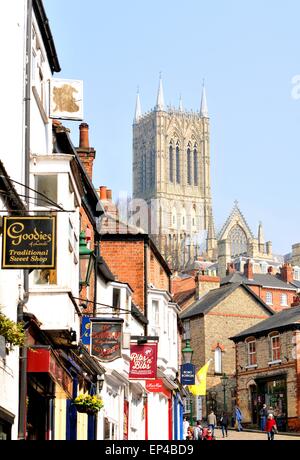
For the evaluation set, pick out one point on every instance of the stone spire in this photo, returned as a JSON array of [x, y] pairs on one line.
[[160, 104], [138, 110], [204, 109], [261, 239]]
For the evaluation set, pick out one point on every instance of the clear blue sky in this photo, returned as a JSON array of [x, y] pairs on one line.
[[248, 53]]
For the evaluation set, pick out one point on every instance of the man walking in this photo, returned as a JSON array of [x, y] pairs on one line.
[[263, 413], [212, 421]]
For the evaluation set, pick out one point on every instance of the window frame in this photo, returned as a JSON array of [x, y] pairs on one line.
[[275, 352], [251, 354], [268, 293], [218, 364]]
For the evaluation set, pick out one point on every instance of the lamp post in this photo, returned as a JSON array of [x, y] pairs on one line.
[[224, 382], [86, 261], [187, 354]]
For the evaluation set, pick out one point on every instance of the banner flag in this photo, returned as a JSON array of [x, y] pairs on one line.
[[199, 389]]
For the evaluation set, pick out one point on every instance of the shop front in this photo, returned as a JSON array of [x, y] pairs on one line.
[[6, 422], [271, 391]]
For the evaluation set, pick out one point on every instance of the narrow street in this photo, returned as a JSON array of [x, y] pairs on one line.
[[252, 436]]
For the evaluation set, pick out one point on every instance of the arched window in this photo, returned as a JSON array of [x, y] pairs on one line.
[[195, 166], [218, 360], [189, 166], [171, 164], [174, 218], [152, 167], [177, 164], [193, 217], [238, 241], [183, 218]]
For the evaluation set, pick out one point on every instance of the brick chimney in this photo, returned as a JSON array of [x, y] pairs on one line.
[[109, 194], [287, 273], [270, 270], [230, 269], [248, 270], [204, 284], [296, 301], [86, 153]]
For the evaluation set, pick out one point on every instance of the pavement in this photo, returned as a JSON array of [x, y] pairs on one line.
[[252, 436]]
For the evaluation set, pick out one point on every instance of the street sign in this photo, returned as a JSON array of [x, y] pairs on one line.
[[187, 374]]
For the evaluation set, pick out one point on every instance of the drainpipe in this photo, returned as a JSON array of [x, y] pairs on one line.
[[145, 286], [22, 302]]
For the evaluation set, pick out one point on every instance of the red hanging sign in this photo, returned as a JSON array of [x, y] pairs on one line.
[[143, 361], [155, 386]]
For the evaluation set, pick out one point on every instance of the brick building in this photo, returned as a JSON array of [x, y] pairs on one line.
[[277, 291], [268, 369], [209, 323]]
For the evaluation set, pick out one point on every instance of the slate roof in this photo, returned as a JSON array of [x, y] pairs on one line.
[[296, 284], [104, 270], [214, 297], [284, 320], [265, 280]]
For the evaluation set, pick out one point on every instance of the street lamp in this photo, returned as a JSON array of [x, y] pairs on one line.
[[187, 353], [224, 382], [86, 261]]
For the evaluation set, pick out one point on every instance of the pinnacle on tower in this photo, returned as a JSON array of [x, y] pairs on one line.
[[261, 238], [160, 96], [138, 110], [180, 104], [204, 109]]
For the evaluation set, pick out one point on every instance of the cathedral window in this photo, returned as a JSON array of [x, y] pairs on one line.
[[177, 164], [171, 176], [183, 218], [152, 167], [238, 241], [195, 167], [189, 166]]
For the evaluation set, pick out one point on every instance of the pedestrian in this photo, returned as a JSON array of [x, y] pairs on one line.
[[271, 411], [185, 427], [190, 434], [263, 414], [209, 435], [238, 418], [271, 427], [212, 421], [224, 420], [198, 431]]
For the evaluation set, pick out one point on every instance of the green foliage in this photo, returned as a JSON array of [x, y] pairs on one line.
[[11, 331], [92, 403]]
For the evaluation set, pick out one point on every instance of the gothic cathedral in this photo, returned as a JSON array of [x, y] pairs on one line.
[[171, 173]]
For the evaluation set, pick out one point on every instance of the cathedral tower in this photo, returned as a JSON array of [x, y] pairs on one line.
[[171, 172]]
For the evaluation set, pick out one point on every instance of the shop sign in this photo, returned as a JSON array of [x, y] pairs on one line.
[[155, 386], [187, 374], [86, 330], [143, 361], [66, 99], [106, 340], [29, 242]]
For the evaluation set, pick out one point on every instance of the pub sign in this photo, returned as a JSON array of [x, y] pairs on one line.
[[29, 242], [106, 339], [187, 374]]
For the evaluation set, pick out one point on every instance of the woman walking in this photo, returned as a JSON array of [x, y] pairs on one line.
[[271, 427]]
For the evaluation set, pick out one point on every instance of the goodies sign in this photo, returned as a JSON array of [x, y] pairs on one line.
[[29, 242], [143, 361]]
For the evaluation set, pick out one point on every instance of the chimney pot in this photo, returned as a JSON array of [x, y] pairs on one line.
[[103, 193], [84, 136], [109, 194], [248, 270]]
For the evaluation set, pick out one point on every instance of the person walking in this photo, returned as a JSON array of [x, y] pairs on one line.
[[224, 420], [212, 421], [198, 431], [185, 427], [238, 418], [209, 435], [271, 427], [263, 414]]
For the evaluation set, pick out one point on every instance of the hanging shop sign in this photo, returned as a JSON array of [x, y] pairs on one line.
[[143, 361], [187, 374], [106, 339], [29, 242], [157, 386], [66, 99], [85, 330]]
